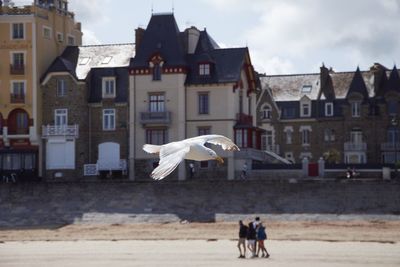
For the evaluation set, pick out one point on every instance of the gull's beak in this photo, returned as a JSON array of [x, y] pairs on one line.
[[220, 160]]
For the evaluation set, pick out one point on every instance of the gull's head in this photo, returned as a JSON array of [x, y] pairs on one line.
[[219, 160]]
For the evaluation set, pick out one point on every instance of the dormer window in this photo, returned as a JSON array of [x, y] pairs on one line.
[[305, 110], [328, 109], [204, 69], [306, 89], [109, 87], [156, 63]]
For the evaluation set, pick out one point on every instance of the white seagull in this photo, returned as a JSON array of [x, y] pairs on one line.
[[173, 153]]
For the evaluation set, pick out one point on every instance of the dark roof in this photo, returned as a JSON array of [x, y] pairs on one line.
[[206, 43], [226, 66], [394, 81], [65, 63], [358, 85], [162, 36]]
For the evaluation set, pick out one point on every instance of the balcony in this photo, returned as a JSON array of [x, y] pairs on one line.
[[17, 98], [71, 131], [349, 146], [163, 118], [273, 148], [244, 119], [17, 69], [390, 146]]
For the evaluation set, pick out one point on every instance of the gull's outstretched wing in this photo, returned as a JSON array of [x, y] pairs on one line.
[[215, 139], [170, 156]]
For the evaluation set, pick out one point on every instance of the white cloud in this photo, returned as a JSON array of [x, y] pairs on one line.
[[90, 38], [90, 12], [295, 36]]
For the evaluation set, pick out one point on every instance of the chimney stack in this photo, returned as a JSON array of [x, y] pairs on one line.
[[139, 33]]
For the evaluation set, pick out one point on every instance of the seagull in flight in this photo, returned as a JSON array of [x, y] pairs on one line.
[[173, 153]]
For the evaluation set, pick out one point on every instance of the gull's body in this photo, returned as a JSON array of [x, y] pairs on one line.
[[172, 154]]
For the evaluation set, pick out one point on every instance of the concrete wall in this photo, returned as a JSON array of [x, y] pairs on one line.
[[196, 200]]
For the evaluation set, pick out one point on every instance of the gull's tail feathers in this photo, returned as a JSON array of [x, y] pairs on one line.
[[152, 149]]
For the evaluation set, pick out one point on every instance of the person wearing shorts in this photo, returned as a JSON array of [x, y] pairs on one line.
[[242, 239]]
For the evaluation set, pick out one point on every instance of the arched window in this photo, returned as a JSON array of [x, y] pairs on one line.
[[18, 122], [266, 112]]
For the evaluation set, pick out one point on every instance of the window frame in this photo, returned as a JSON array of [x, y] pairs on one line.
[[12, 36], [50, 31], [329, 106], [161, 135], [63, 114], [106, 81], [156, 102], [305, 137], [204, 69], [109, 119], [356, 109], [203, 103], [62, 88]]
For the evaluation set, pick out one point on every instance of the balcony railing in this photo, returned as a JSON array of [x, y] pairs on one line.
[[17, 69], [349, 146], [17, 98], [155, 118], [63, 130], [273, 148], [390, 146], [244, 119]]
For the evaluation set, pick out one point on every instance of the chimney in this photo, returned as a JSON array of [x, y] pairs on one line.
[[139, 33], [193, 35]]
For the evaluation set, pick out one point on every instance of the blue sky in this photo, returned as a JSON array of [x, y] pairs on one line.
[[284, 36]]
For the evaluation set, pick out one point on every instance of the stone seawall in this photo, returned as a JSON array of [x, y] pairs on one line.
[[45, 204]]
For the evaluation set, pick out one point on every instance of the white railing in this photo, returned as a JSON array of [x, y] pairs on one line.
[[93, 169], [63, 130], [90, 170], [349, 146], [390, 146]]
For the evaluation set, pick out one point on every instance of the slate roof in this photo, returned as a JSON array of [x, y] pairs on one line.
[[393, 83], [162, 36], [289, 87], [80, 60]]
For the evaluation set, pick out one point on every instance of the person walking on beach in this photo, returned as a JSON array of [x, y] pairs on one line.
[[261, 237], [251, 239], [244, 171], [242, 239], [191, 167]]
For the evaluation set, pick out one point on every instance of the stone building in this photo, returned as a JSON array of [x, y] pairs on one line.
[[85, 118], [345, 117], [31, 37]]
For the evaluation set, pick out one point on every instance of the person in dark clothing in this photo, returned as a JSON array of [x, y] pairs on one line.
[[251, 239], [242, 239], [261, 237]]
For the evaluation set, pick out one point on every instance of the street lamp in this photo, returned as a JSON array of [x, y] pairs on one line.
[[394, 122]]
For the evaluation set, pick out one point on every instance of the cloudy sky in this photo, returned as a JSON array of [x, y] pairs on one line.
[[284, 36]]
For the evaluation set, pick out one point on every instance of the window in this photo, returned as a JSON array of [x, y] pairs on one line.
[[60, 37], [305, 110], [329, 109], [61, 117], [18, 92], [355, 109], [84, 60], [266, 112], [18, 31], [267, 140], [109, 119], [18, 63], [241, 137], [393, 135], [306, 89], [106, 60], [329, 135], [109, 87], [22, 123], [288, 137], [157, 102], [204, 69], [61, 87], [156, 136], [157, 72], [46, 32], [356, 136], [71, 40], [203, 103], [305, 137]]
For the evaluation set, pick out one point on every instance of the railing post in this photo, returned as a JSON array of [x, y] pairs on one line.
[[321, 167], [305, 167]]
